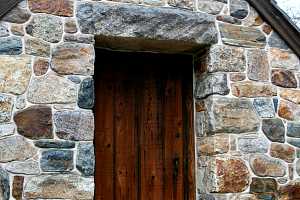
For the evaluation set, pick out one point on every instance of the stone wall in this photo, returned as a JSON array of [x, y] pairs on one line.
[[247, 101]]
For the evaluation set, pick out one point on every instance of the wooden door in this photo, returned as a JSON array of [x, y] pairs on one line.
[[144, 127]]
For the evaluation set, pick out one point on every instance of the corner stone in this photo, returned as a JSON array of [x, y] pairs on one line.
[[86, 159], [4, 185], [6, 105], [263, 165]]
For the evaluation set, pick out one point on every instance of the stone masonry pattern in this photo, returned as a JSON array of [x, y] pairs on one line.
[[247, 96]]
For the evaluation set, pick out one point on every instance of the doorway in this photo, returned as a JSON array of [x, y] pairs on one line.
[[144, 137]]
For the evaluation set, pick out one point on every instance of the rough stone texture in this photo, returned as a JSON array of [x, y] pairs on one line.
[[263, 185], [211, 84], [187, 4], [289, 110], [4, 185], [74, 125], [28, 167], [17, 189], [211, 7], [253, 144], [4, 32], [51, 89], [79, 38], [58, 144], [7, 129], [263, 165], [284, 78], [17, 15], [242, 35], [46, 27], [284, 59], [230, 115], [85, 162], [230, 175], [276, 41], [20, 102], [57, 160], [54, 7], [258, 66], [15, 73], [274, 129], [166, 24], [264, 107], [228, 19], [59, 186], [6, 104], [294, 141], [283, 151], [293, 129], [15, 148], [218, 144], [70, 26], [35, 122], [17, 29], [40, 66], [11, 45], [86, 94], [72, 58], [239, 9], [37, 47], [235, 77], [298, 167], [292, 95], [253, 89], [226, 59]]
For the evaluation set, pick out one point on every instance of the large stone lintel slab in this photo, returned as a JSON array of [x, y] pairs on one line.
[[146, 28]]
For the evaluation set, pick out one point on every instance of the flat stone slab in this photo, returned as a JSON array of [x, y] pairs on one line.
[[145, 28]]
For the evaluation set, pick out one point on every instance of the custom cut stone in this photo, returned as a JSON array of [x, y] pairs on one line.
[[15, 148], [226, 59], [4, 32], [57, 161], [284, 59], [298, 167], [230, 175], [276, 41], [17, 29], [294, 141], [66, 186], [20, 102], [57, 144], [70, 26], [284, 78], [54, 7], [293, 129], [211, 84], [258, 65], [74, 79], [7, 129], [37, 47], [283, 151], [35, 122], [86, 159], [11, 45], [239, 9], [264, 107], [210, 7], [292, 95], [263, 185], [79, 38], [253, 144], [187, 4], [4, 185], [46, 27], [230, 115], [291, 190], [218, 144], [263, 165], [17, 15], [274, 129], [86, 94], [289, 110], [17, 187], [51, 89], [15, 73], [235, 77], [40, 66], [253, 89], [147, 24], [28, 167], [6, 105], [73, 58], [74, 125], [242, 35], [228, 19]]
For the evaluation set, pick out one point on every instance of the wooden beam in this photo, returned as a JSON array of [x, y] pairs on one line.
[[279, 22]]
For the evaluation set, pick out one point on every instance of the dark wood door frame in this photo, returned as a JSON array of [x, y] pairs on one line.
[[188, 128]]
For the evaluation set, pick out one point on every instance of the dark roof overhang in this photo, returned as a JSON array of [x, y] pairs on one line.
[[7, 5]]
